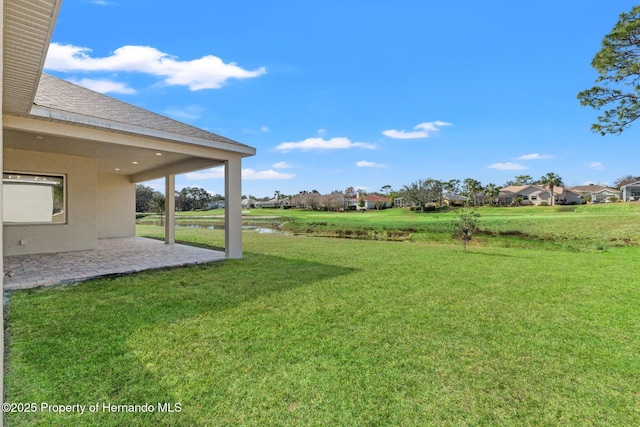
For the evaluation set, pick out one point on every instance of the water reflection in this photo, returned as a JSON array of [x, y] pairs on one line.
[[262, 229]]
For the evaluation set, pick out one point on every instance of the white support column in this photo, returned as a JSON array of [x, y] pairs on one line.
[[170, 209], [233, 208]]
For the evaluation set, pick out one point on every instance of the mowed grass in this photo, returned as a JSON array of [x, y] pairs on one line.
[[577, 228], [319, 331]]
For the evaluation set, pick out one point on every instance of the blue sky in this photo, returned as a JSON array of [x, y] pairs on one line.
[[361, 93]]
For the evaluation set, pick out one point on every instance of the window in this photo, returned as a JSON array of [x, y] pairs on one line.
[[29, 198]]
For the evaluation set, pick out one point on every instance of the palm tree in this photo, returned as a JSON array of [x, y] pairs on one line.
[[551, 180], [492, 191], [472, 187]]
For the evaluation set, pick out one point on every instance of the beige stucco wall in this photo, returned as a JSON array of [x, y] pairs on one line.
[[116, 206], [80, 230]]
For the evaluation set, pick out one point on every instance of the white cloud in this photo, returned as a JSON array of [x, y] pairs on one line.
[[508, 166], [322, 131], [102, 2], [423, 130], [281, 165], [268, 174], [104, 86], [322, 144], [192, 112], [596, 165], [208, 72], [215, 173], [535, 156], [366, 164], [251, 131], [251, 174]]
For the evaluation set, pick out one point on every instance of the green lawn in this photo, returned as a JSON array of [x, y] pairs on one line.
[[345, 332], [586, 227]]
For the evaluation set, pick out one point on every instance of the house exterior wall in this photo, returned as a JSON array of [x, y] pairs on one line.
[[571, 198], [533, 196], [631, 192], [79, 231], [115, 206], [602, 196]]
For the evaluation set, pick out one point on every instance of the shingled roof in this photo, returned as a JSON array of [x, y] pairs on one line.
[[60, 95], [592, 188]]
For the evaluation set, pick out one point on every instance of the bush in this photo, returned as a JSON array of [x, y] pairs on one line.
[[466, 225]]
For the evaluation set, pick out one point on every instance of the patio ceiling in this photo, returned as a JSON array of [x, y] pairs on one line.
[[139, 163]]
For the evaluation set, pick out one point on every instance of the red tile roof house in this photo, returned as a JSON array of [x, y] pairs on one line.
[[597, 193], [536, 195], [371, 202], [78, 155]]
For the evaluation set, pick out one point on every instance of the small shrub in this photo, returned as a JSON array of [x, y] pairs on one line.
[[466, 225]]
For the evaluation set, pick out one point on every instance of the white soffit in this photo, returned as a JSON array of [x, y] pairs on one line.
[[28, 26]]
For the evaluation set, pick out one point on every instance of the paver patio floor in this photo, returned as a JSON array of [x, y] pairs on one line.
[[112, 256]]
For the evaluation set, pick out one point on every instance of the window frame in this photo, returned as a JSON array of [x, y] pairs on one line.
[[65, 203]]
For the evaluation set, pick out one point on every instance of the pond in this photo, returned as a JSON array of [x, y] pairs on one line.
[[263, 229]]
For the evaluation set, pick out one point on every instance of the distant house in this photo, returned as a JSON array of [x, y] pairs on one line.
[[596, 193], [448, 199], [371, 201], [536, 195], [401, 202], [216, 204], [631, 192], [248, 203], [274, 203], [451, 199]]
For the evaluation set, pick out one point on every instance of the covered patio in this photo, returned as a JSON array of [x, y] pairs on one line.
[[631, 192], [112, 256]]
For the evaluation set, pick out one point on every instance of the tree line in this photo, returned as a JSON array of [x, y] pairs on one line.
[[420, 193], [187, 199], [429, 191]]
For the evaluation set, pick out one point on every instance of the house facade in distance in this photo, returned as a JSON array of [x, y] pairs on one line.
[[597, 193], [371, 201], [536, 195], [631, 192]]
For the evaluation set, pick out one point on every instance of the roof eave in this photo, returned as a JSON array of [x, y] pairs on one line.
[[89, 121]]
